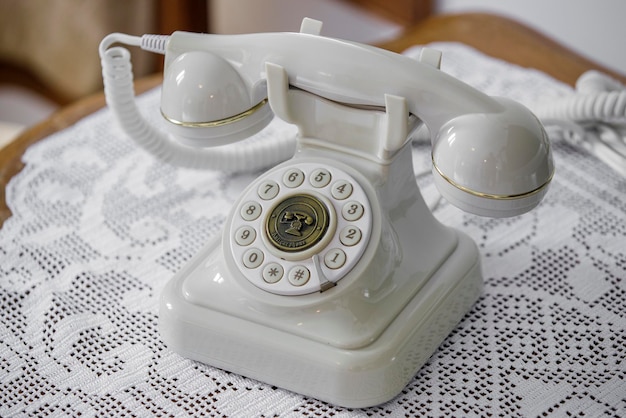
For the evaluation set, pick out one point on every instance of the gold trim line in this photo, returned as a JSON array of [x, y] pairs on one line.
[[220, 122], [495, 196]]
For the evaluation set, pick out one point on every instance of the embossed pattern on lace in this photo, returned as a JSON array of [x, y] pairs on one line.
[[99, 227]]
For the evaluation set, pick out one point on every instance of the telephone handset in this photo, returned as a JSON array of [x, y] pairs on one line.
[[332, 278]]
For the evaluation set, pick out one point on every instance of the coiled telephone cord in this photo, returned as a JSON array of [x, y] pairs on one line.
[[594, 118], [120, 96]]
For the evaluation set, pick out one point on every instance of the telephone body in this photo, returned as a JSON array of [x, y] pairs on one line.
[[332, 278]]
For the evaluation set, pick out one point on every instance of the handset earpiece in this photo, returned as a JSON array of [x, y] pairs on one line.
[[207, 103]]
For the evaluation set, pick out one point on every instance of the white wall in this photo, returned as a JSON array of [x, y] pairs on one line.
[[341, 20], [595, 29]]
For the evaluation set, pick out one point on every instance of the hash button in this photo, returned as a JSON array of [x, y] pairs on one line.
[[298, 275]]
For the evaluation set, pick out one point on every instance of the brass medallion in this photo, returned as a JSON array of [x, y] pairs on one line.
[[297, 223]]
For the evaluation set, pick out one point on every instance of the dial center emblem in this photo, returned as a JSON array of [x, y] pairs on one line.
[[297, 223]]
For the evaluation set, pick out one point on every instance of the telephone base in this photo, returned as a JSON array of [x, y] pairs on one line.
[[353, 378]]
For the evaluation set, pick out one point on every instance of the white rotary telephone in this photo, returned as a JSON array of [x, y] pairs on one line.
[[332, 278]]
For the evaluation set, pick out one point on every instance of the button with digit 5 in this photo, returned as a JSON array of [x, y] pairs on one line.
[[320, 178]]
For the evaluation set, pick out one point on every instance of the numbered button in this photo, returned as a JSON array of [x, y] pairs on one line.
[[273, 272], [341, 190], [293, 178], [350, 236], [299, 275], [335, 258], [352, 211], [268, 190], [245, 236], [253, 258], [250, 210], [320, 178]]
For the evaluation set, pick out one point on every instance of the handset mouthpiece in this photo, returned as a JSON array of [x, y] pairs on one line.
[[494, 164]]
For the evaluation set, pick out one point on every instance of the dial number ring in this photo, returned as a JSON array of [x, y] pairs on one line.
[[319, 223]]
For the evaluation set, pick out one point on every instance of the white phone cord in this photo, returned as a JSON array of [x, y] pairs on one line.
[[593, 118], [598, 98], [120, 97]]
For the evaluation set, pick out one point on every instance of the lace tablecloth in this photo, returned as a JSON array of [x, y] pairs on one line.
[[99, 227]]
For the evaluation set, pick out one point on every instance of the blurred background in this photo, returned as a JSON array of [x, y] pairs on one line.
[[49, 58]]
